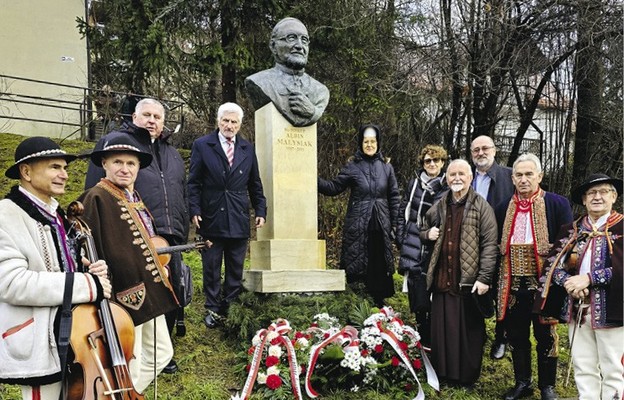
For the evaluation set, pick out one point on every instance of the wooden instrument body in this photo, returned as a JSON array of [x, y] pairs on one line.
[[101, 338], [87, 329]]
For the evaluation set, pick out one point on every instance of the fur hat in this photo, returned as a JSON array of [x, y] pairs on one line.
[[36, 147]]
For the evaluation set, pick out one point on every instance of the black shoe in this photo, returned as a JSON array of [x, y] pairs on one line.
[[498, 350], [180, 328], [522, 389], [171, 368], [548, 393], [210, 321]]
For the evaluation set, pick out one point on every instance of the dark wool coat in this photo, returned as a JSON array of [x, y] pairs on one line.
[[220, 193], [139, 280], [161, 185], [373, 185], [408, 232]]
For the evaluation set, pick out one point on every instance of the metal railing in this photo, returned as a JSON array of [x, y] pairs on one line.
[[99, 109]]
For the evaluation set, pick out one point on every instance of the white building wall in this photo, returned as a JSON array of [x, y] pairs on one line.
[[39, 40]]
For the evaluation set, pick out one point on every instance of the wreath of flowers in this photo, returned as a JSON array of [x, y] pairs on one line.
[[386, 351]]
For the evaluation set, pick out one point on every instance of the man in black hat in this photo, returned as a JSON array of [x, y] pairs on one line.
[[36, 262], [529, 223], [122, 226], [586, 263], [162, 185]]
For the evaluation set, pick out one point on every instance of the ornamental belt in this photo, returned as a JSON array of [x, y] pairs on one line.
[[522, 259]]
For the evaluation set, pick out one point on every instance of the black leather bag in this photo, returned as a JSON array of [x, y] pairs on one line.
[[485, 304], [186, 285]]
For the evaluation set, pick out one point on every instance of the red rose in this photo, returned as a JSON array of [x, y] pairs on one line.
[[251, 350], [273, 382], [271, 361], [325, 335], [247, 367], [395, 361], [403, 346], [378, 348], [417, 363], [365, 353]]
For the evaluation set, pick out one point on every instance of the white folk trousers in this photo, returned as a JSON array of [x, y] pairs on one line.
[[597, 356], [148, 347]]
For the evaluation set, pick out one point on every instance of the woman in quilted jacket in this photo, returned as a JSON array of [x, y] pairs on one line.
[[372, 215], [423, 190]]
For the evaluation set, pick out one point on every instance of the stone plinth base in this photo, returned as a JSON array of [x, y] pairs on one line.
[[294, 281], [284, 254]]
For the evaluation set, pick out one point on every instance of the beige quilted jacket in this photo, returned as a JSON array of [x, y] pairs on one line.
[[478, 247]]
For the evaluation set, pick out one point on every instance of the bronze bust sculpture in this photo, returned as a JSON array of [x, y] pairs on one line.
[[300, 98]]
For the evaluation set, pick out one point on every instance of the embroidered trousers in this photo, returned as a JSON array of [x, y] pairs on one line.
[[597, 356]]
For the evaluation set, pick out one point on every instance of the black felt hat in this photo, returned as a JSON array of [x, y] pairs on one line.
[[33, 148], [122, 143], [593, 180]]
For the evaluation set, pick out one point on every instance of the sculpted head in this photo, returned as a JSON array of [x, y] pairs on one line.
[[290, 43]]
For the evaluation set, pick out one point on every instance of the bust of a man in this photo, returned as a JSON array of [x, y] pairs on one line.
[[297, 96]]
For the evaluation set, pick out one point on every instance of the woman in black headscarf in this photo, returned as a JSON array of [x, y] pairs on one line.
[[372, 215]]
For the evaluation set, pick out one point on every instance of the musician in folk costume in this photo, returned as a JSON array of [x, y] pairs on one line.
[[586, 267], [529, 222], [122, 227], [37, 264]]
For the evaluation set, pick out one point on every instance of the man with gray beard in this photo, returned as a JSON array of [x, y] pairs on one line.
[[462, 227]]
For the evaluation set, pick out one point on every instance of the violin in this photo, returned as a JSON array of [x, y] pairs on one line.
[[102, 338], [164, 250]]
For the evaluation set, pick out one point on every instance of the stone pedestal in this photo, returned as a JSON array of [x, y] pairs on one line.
[[287, 255]]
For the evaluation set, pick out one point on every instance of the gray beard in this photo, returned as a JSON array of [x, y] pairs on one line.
[[456, 187]]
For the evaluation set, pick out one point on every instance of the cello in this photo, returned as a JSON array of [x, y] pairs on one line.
[[102, 338]]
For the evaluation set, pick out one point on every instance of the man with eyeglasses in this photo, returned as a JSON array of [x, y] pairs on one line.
[[493, 182], [585, 269], [528, 225], [296, 95]]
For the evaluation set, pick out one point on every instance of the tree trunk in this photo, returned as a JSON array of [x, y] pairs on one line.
[[589, 73]]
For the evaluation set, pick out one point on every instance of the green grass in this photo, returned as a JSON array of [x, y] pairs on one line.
[[207, 358]]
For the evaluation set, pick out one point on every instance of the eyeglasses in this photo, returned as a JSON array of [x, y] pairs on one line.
[[593, 193], [292, 39], [431, 160], [476, 150]]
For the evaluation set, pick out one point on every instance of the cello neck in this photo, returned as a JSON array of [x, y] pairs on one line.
[[106, 315]]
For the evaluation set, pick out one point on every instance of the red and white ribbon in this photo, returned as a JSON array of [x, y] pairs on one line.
[[345, 336], [281, 327]]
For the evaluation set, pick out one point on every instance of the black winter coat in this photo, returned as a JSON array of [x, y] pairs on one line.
[[373, 186], [161, 185], [411, 254]]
